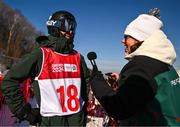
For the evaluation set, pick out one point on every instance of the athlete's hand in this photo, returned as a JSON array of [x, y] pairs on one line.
[[32, 115]]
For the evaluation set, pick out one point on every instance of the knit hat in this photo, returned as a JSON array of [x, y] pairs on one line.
[[143, 26]]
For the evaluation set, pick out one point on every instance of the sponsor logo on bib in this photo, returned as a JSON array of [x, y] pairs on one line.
[[64, 67]]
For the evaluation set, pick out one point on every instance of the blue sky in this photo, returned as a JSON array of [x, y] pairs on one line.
[[101, 24]]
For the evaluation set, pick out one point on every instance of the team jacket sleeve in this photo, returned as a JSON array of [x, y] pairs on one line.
[[11, 89]]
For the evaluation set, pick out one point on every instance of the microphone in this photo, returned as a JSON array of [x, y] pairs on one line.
[[92, 56]]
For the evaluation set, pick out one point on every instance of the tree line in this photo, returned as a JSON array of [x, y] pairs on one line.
[[17, 35]]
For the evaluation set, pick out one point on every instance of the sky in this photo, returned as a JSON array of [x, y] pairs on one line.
[[101, 23]]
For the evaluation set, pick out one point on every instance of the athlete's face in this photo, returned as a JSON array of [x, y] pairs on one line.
[[68, 35]]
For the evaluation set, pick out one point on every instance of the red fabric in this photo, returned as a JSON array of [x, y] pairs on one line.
[[27, 91], [2, 100], [95, 109], [178, 119], [91, 108]]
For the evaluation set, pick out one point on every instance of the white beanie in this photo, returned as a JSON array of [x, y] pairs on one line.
[[143, 26]]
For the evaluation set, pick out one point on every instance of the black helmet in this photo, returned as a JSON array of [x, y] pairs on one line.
[[61, 21]]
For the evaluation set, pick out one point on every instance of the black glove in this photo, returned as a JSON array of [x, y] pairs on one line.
[[30, 114], [95, 75], [34, 116], [100, 87]]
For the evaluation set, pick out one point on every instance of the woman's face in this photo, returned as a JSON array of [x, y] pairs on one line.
[[129, 43]]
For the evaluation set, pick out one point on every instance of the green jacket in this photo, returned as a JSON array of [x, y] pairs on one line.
[[166, 103], [29, 67]]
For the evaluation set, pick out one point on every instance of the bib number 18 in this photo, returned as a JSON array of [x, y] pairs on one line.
[[73, 103]]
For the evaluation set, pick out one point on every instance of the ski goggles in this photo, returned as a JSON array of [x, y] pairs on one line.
[[63, 24]]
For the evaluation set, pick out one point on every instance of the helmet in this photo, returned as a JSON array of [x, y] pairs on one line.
[[61, 21]]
